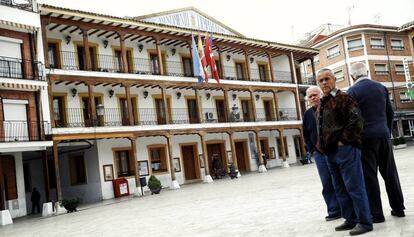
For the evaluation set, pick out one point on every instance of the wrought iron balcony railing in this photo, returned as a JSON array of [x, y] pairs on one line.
[[20, 69], [24, 131], [79, 117]]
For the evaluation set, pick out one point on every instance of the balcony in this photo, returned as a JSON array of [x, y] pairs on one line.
[[24, 131], [20, 69], [79, 117], [20, 4], [67, 60]]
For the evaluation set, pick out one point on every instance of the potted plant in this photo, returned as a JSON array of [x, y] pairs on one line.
[[154, 185], [399, 143], [70, 204]]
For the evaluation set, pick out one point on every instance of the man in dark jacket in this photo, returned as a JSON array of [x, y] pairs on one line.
[[35, 201], [310, 134], [374, 103], [339, 138]]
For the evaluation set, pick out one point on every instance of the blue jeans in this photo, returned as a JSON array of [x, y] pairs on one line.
[[348, 180], [328, 191]]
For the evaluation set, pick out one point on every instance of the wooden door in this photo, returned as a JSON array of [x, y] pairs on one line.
[[216, 150], [245, 104], [268, 110], [192, 110], [264, 146], [189, 162], [220, 111], [160, 109], [87, 113], [58, 111], [241, 155]]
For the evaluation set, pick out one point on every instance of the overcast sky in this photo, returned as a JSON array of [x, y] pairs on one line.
[[279, 21]]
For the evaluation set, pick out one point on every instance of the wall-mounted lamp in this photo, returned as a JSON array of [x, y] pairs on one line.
[[140, 47], [173, 50], [105, 43], [68, 39], [111, 93], [208, 95], [178, 95], [257, 96], [74, 92], [234, 96], [251, 59], [145, 94], [228, 57], [100, 110]]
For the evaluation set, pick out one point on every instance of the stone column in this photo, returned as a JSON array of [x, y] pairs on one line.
[[174, 182], [262, 167], [207, 176], [57, 173]]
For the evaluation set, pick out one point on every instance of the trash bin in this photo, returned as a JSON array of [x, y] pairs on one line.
[[121, 187]]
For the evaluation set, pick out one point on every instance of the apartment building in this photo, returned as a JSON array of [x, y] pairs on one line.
[[24, 109], [382, 49]]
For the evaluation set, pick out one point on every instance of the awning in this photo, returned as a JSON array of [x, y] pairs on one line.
[[18, 25]]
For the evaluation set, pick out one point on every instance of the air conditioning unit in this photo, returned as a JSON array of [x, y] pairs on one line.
[[209, 115]]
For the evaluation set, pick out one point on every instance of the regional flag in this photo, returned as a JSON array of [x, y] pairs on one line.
[[197, 67], [202, 58], [210, 57]]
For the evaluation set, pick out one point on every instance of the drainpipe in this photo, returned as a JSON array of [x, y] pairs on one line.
[[350, 82]]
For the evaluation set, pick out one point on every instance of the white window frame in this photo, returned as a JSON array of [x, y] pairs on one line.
[[397, 47], [381, 72], [399, 72], [358, 47], [404, 97], [334, 54], [341, 78], [377, 46]]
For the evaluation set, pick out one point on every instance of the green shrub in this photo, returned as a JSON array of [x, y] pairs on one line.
[[396, 141], [153, 182], [401, 140], [65, 202]]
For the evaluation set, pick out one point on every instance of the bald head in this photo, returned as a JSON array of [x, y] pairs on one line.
[[313, 96], [358, 70], [313, 89]]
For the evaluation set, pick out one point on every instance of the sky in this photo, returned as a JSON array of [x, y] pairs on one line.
[[279, 21]]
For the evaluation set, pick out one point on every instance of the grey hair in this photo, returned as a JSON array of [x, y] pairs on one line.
[[325, 70], [358, 70], [313, 88]]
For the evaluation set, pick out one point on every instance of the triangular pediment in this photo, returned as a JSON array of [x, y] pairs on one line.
[[190, 18]]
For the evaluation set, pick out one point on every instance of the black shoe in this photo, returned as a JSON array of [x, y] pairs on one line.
[[378, 219], [359, 230], [332, 217], [397, 213], [345, 226]]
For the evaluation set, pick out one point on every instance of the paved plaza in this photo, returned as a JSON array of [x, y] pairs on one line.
[[281, 202]]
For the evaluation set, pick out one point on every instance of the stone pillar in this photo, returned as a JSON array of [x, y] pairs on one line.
[[174, 182], [285, 163], [129, 104], [123, 52], [262, 167], [87, 53], [253, 103], [207, 176], [159, 54], [92, 106], [135, 158], [272, 75], [164, 101], [233, 152], [57, 173]]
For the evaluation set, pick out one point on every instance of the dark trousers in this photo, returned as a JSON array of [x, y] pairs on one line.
[[348, 180], [35, 205], [328, 191], [377, 153]]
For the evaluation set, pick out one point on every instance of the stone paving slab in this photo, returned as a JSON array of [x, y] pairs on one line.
[[281, 202]]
